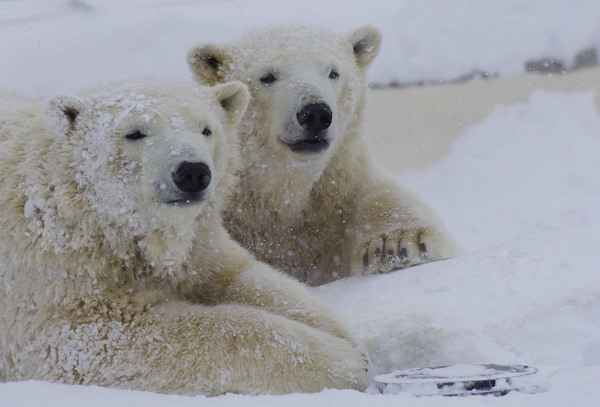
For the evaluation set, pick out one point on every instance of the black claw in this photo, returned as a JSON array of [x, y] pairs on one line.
[[423, 249], [390, 254], [377, 252], [403, 254], [366, 258], [366, 369]]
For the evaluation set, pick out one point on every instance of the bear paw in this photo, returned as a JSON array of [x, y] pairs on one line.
[[394, 250]]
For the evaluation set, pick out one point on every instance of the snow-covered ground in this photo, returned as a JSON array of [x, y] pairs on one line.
[[519, 190]]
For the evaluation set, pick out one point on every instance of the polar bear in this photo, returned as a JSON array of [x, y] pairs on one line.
[[115, 269], [310, 200]]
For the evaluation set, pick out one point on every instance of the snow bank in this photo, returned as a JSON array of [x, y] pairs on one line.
[[521, 192], [526, 164]]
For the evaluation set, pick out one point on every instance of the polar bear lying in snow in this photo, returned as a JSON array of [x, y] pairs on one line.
[[310, 200], [115, 269]]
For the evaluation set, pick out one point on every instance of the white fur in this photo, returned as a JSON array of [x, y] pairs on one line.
[[104, 280], [324, 215]]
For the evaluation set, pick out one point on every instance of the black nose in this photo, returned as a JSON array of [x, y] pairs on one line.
[[315, 117], [192, 177]]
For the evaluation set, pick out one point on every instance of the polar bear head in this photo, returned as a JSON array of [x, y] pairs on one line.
[[308, 88], [139, 162]]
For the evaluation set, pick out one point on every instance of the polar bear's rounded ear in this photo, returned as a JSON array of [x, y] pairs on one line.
[[365, 42], [61, 112], [233, 98], [207, 63]]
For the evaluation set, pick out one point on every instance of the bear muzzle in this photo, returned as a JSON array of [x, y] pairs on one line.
[[191, 180], [314, 119]]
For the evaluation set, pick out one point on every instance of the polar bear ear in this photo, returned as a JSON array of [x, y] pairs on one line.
[[207, 62], [365, 42], [233, 98], [62, 112]]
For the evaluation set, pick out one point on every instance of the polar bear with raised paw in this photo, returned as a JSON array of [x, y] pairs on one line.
[[115, 269], [310, 200]]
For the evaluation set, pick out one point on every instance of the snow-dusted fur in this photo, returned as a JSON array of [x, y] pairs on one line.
[[112, 274], [316, 212]]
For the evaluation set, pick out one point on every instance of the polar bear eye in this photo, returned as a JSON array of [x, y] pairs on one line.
[[268, 79], [334, 74], [135, 135], [206, 132]]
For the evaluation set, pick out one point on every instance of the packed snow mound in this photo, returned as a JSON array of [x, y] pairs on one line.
[[520, 191], [519, 302], [528, 164]]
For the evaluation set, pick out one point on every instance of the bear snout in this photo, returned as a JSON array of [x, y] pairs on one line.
[[314, 119], [192, 177]]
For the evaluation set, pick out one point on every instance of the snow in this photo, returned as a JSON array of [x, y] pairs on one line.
[[520, 190], [491, 165]]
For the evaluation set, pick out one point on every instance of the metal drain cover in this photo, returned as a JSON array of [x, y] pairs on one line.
[[461, 380]]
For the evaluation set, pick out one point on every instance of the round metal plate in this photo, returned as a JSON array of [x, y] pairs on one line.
[[459, 380]]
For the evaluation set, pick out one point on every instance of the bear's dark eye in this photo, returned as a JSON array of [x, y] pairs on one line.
[[334, 74], [206, 132], [268, 79], [135, 135]]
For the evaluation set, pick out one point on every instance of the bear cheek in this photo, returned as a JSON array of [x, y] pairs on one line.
[[150, 183]]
